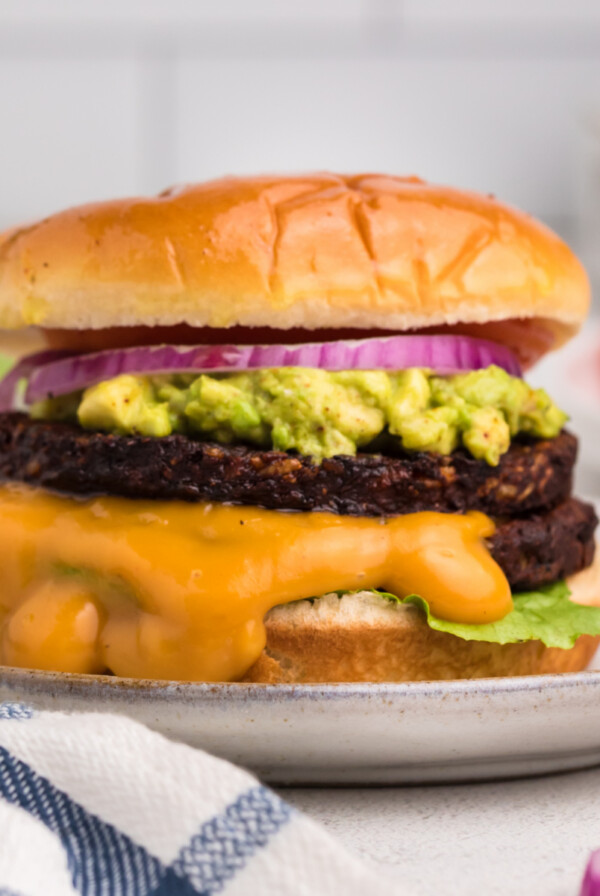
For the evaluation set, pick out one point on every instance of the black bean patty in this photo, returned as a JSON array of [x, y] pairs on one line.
[[545, 547], [531, 475]]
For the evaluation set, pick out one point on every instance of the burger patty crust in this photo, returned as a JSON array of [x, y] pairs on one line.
[[530, 476]]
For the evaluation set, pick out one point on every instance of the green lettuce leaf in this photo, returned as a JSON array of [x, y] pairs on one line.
[[546, 615]]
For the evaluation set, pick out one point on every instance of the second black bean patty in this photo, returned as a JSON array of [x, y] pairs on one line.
[[542, 548]]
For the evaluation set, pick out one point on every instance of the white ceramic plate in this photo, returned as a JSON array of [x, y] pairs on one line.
[[353, 733]]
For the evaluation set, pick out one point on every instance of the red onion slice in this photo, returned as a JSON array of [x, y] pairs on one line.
[[9, 399], [590, 885], [65, 372]]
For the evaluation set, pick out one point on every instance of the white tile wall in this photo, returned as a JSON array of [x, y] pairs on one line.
[[107, 97], [493, 11], [69, 131], [511, 128], [74, 13]]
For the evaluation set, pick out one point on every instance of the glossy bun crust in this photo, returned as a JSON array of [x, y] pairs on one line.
[[364, 638], [316, 251]]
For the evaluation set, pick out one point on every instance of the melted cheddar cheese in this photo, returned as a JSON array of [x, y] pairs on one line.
[[179, 591]]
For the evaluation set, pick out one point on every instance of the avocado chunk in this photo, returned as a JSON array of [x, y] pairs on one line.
[[125, 404]]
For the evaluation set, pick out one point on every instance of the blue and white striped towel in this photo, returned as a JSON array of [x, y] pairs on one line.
[[99, 805]]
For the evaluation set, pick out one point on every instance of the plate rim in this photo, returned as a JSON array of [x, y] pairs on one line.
[[73, 683]]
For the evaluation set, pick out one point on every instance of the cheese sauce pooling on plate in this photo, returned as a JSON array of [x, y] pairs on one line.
[[171, 590]]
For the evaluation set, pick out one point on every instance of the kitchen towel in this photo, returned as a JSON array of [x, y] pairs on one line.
[[99, 805]]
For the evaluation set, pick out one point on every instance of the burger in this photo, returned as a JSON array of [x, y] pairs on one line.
[[278, 431]]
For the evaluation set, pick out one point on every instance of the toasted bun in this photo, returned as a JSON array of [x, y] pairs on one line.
[[317, 251], [361, 637]]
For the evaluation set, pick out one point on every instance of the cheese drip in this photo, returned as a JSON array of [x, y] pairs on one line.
[[179, 591]]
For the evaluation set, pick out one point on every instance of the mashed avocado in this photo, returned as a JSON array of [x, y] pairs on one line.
[[319, 413]]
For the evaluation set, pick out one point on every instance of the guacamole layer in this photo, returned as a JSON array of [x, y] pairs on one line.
[[321, 413]]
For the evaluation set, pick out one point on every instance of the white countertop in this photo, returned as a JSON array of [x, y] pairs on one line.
[[507, 838]]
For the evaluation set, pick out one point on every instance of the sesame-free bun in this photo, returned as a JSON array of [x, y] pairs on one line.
[[317, 251], [362, 637]]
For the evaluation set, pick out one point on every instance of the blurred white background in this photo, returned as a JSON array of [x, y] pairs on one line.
[[99, 99]]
